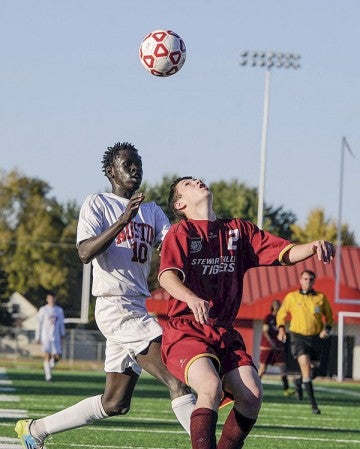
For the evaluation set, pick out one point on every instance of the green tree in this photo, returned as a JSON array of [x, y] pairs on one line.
[[37, 241], [317, 227]]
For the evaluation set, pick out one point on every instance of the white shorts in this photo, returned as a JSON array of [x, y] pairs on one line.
[[128, 329], [52, 347]]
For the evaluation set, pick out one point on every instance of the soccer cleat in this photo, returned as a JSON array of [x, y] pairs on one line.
[[22, 429], [316, 411], [298, 389], [289, 392]]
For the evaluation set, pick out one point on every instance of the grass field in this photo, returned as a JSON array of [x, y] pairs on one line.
[[283, 422]]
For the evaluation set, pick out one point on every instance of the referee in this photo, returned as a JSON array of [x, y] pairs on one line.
[[308, 308]]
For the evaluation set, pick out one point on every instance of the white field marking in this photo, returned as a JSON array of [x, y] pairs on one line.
[[9, 398], [344, 391], [338, 390], [282, 437], [9, 443], [5, 381], [13, 413]]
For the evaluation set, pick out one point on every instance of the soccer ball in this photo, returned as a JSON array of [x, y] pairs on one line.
[[162, 52]]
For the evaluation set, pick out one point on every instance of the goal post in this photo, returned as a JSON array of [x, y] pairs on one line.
[[341, 316], [85, 297]]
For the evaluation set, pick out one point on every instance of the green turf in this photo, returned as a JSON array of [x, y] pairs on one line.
[[283, 422]]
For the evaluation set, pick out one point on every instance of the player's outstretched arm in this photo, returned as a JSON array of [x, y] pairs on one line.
[[325, 252]]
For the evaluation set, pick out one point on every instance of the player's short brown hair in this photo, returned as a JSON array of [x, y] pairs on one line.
[[174, 196]]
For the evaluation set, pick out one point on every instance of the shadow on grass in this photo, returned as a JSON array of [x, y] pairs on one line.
[[79, 384]]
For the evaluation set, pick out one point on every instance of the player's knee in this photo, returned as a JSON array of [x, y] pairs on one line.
[[177, 388], [113, 408], [211, 390], [249, 401]]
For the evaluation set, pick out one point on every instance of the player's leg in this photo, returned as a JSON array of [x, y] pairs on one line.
[[182, 400], [305, 367], [204, 379], [47, 366], [262, 369], [284, 379], [115, 401], [245, 385]]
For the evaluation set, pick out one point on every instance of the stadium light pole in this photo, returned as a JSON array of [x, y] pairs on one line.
[[267, 60], [344, 147]]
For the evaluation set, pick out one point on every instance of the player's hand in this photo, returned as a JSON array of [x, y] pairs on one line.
[[324, 250], [281, 336], [324, 334], [133, 206], [200, 309]]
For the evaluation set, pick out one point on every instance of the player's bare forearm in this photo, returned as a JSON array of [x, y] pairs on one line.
[[324, 251], [173, 285]]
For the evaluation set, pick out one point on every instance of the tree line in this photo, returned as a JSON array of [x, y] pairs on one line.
[[38, 234]]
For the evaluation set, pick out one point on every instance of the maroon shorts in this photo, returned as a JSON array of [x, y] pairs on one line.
[[271, 356], [185, 340]]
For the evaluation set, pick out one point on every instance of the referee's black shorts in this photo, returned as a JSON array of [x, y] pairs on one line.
[[305, 344]]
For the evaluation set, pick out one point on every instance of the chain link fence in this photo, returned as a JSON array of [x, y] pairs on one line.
[[79, 344]]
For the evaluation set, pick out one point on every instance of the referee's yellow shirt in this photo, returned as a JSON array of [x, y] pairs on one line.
[[307, 312]]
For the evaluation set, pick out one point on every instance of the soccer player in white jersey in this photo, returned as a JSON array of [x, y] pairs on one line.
[[117, 232], [51, 333]]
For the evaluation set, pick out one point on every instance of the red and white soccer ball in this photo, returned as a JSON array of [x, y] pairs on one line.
[[162, 52]]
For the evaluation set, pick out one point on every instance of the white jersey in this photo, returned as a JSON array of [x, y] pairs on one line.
[[51, 327], [123, 269]]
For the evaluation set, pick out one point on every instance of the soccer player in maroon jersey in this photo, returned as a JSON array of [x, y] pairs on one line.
[[203, 263], [272, 351]]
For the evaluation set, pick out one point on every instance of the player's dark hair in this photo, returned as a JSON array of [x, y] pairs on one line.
[[174, 196], [276, 301], [50, 293], [112, 152], [310, 273]]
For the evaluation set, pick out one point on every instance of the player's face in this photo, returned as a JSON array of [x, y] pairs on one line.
[[51, 300], [126, 173], [191, 191], [307, 281]]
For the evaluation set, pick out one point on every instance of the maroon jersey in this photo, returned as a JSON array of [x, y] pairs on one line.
[[212, 258], [273, 331]]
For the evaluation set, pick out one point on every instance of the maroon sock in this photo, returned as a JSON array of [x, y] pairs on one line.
[[203, 428], [235, 430]]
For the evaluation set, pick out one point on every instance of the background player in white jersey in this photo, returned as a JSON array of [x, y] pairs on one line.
[[51, 333], [117, 232]]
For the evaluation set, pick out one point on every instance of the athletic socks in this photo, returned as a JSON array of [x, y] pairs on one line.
[[203, 428], [80, 414], [310, 392], [235, 430], [285, 382], [47, 369], [183, 406]]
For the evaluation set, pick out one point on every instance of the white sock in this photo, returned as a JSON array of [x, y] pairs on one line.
[[52, 362], [183, 407], [47, 369], [80, 414]]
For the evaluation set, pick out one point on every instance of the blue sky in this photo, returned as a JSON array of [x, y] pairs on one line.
[[72, 84]]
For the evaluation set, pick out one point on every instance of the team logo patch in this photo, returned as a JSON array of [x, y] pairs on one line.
[[195, 245]]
